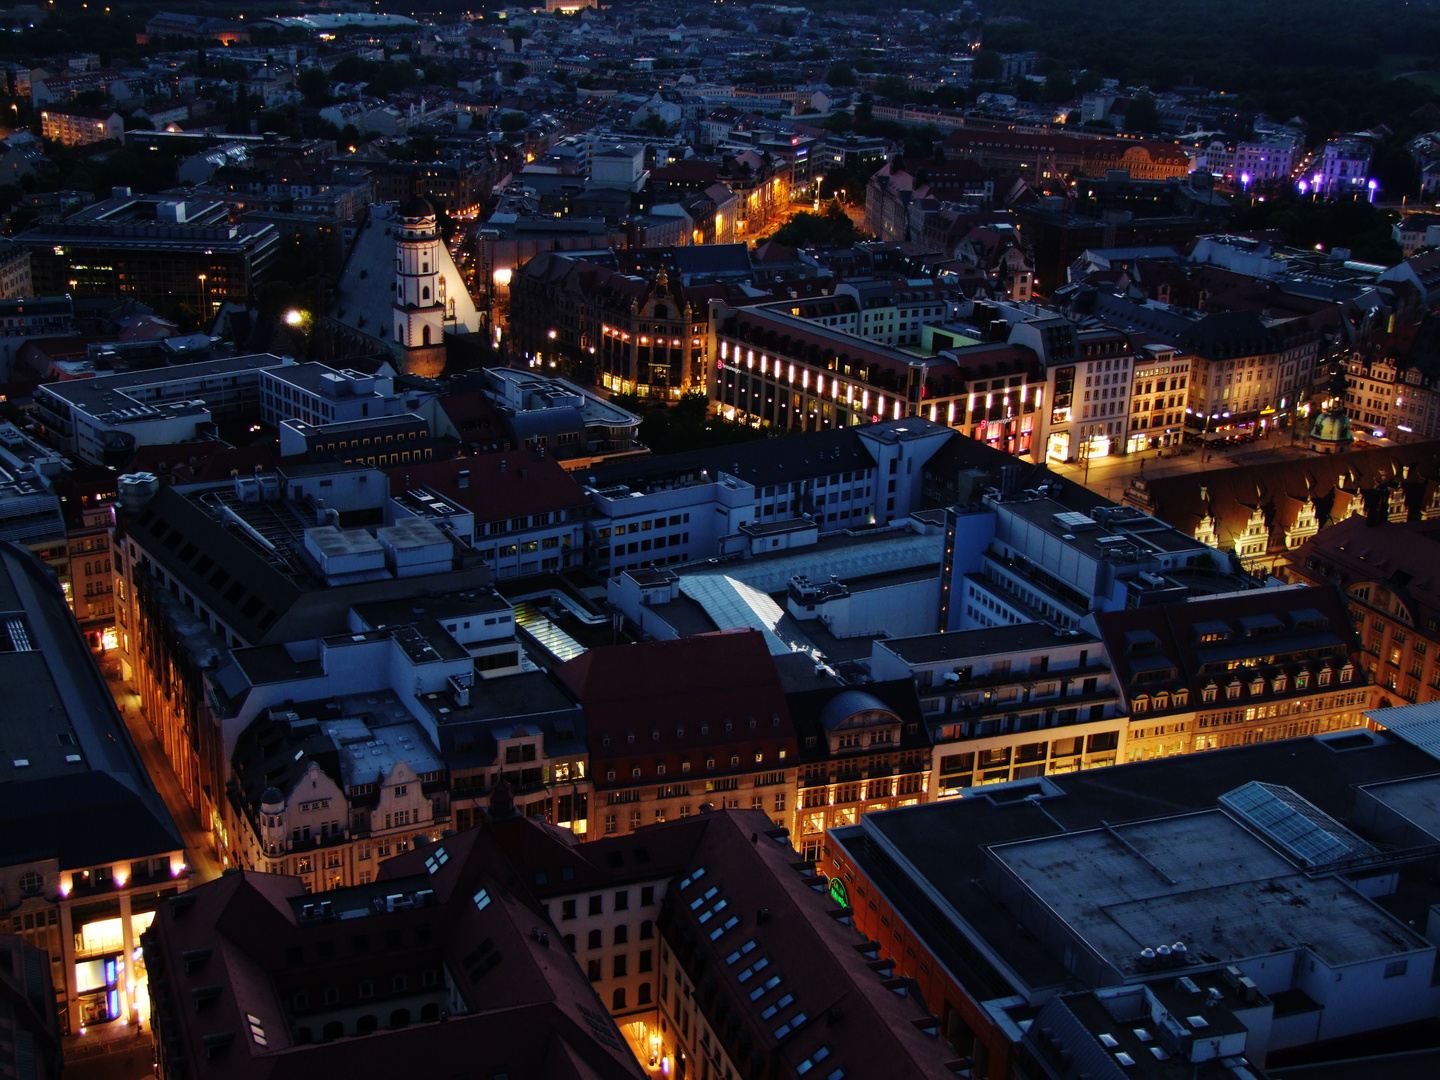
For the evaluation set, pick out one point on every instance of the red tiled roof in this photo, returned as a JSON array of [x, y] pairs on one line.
[[199, 462], [645, 705], [516, 483]]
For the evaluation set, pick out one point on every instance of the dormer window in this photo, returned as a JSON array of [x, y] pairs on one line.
[[1278, 683], [1347, 673], [1162, 702], [1181, 698], [1323, 678], [1257, 685], [1209, 693], [1232, 692], [1142, 703], [1302, 680]]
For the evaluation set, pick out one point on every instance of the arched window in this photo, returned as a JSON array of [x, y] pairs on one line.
[[424, 267], [425, 335], [400, 1018], [430, 1011], [617, 999], [425, 293], [450, 308], [366, 1024], [1142, 702], [333, 1030]]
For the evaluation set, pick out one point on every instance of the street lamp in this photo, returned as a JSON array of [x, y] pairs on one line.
[[203, 278]]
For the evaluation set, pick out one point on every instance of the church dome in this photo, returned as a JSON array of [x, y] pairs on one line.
[[1331, 427], [416, 207]]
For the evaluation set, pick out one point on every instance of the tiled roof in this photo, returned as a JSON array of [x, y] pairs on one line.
[[245, 969], [665, 702], [515, 483]]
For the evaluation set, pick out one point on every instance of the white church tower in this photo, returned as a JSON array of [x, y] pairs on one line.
[[419, 308]]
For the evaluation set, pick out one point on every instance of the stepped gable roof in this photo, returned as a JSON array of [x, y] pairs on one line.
[[1230, 496]]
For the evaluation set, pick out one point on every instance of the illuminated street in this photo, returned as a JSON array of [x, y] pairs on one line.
[[198, 855]]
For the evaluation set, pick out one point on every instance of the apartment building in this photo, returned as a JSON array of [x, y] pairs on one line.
[[1342, 167], [324, 790], [520, 509], [1214, 673], [892, 312], [518, 733], [75, 126], [252, 975], [861, 750], [236, 597], [1159, 398], [1371, 394], [683, 725], [1236, 374], [1009, 703], [1382, 569], [89, 851], [87, 502]]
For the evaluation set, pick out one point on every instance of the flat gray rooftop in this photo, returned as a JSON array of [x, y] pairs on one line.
[[1416, 799], [1205, 880], [1025, 637]]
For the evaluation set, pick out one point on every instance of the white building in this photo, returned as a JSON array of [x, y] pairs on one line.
[[103, 420]]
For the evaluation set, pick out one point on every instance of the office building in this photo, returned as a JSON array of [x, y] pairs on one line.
[[319, 395], [1008, 702], [706, 504], [160, 251], [105, 419], [1029, 557]]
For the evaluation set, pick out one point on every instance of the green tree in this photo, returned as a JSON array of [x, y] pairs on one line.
[[1059, 87], [513, 121], [988, 65], [841, 75], [894, 87], [830, 228], [1142, 116], [314, 85]]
